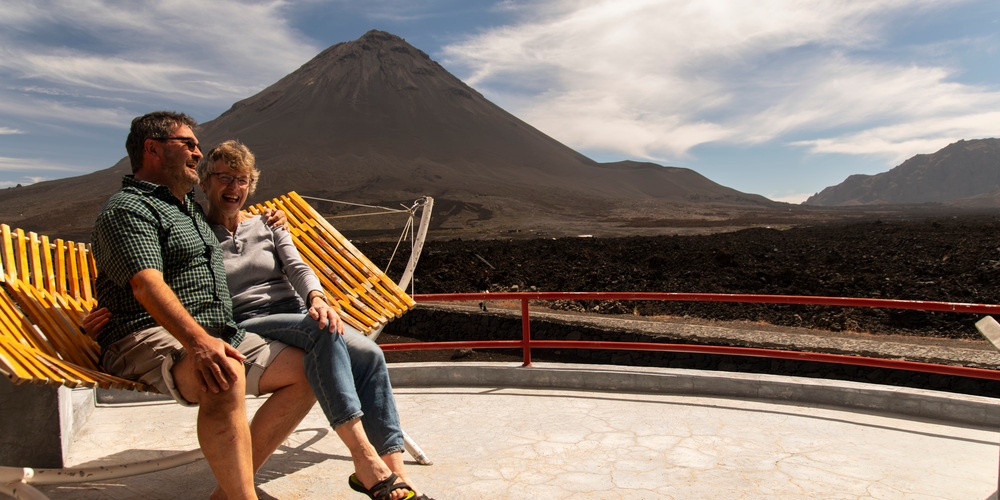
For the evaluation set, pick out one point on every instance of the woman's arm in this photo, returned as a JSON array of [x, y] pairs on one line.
[[305, 282]]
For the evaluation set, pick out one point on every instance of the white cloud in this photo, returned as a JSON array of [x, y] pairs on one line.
[[61, 114], [653, 79], [72, 71], [899, 142], [32, 165], [183, 51]]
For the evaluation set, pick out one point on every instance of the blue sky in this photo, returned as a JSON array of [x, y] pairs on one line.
[[775, 97]]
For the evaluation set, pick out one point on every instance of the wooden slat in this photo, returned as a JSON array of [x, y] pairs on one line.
[[9, 269], [21, 254], [48, 268], [64, 333], [34, 251], [38, 367], [12, 366], [85, 351], [374, 297], [21, 362], [330, 243], [27, 360], [60, 271], [73, 271], [19, 327], [329, 230], [339, 274], [373, 279], [42, 305], [50, 344], [86, 291], [333, 284], [363, 291]]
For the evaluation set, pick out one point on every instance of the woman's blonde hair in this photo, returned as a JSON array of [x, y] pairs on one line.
[[239, 158]]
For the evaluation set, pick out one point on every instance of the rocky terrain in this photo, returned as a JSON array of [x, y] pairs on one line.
[[953, 258]]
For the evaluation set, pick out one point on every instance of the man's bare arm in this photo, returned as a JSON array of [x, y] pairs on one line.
[[272, 217], [207, 352]]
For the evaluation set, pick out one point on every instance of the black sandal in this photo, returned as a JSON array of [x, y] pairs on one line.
[[382, 489]]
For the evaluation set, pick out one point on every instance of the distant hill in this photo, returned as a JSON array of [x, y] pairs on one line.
[[377, 121], [963, 174]]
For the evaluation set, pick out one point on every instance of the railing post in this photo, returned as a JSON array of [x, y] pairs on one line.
[[526, 332], [991, 330]]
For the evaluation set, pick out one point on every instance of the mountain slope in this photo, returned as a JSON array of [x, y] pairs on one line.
[[377, 121], [963, 173]]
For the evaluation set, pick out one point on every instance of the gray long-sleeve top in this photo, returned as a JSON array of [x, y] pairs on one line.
[[255, 277]]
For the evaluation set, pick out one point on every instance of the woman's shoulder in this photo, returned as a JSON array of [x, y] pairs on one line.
[[257, 224], [253, 223]]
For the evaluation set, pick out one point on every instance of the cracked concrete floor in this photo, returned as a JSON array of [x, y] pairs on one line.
[[499, 443]]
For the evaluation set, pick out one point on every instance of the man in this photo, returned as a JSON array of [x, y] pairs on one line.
[[161, 275]]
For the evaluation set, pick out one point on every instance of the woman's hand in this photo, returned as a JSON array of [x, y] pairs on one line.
[[95, 321], [326, 316]]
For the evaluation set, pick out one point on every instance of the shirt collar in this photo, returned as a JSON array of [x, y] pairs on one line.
[[152, 189]]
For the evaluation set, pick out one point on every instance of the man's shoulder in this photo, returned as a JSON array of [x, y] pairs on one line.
[[134, 198], [124, 202]]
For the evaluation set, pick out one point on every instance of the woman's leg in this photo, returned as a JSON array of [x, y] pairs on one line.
[[371, 381], [327, 364], [381, 420], [327, 367]]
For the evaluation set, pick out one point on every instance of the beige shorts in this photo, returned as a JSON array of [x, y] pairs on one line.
[[149, 355]]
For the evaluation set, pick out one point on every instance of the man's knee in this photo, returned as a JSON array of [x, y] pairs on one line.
[[189, 382]]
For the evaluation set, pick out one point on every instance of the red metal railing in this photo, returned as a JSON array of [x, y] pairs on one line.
[[526, 344]]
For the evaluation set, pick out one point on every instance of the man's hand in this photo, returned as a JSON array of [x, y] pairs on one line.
[[209, 358], [95, 321], [275, 218], [325, 315], [208, 353]]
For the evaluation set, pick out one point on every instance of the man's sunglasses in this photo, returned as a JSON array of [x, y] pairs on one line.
[[189, 142]]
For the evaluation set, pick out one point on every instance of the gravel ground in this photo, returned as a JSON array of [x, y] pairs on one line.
[[952, 259]]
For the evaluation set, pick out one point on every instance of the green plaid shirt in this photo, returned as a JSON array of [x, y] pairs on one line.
[[144, 226]]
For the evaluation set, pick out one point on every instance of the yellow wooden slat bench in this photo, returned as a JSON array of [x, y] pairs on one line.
[[367, 297], [48, 288]]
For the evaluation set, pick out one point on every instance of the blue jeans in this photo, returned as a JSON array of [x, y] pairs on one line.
[[363, 391]]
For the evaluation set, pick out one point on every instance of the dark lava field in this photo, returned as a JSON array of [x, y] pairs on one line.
[[948, 258]]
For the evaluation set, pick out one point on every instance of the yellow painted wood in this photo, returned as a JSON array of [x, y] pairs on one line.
[[362, 290], [73, 270], [8, 252], [21, 253], [35, 250], [48, 289], [48, 268], [60, 270]]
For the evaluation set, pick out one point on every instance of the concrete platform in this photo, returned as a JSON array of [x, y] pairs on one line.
[[575, 431]]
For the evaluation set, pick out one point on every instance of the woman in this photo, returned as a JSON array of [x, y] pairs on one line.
[[277, 295]]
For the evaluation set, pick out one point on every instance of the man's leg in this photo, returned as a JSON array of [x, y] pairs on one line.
[[223, 431], [326, 366], [289, 401]]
